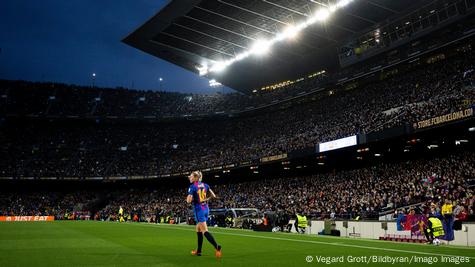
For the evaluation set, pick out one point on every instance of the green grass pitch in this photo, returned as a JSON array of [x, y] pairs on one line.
[[132, 244]]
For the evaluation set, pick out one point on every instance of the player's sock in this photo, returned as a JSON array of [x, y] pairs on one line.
[[211, 240], [200, 241]]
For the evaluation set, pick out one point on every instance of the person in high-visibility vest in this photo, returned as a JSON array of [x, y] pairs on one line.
[[434, 229], [121, 214], [300, 223], [229, 221]]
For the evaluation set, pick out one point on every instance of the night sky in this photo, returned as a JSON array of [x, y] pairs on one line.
[[68, 40]]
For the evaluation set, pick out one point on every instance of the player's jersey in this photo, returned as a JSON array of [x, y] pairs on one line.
[[199, 192]]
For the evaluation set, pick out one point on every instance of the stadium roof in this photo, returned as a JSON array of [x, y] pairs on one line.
[[196, 33]]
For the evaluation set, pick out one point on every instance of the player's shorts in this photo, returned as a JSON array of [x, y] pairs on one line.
[[201, 213]]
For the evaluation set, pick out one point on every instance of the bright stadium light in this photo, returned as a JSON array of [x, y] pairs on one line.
[[242, 56], [218, 66], [214, 83], [290, 32], [94, 79], [202, 70], [343, 3], [262, 47], [321, 15]]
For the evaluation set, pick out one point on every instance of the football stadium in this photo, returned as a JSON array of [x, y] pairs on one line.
[[328, 132]]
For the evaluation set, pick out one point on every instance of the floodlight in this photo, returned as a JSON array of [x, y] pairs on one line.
[[218, 66], [242, 56], [343, 3], [261, 47], [322, 14], [214, 83], [290, 32]]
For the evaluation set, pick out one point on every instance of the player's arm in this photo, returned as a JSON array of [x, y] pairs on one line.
[[189, 198], [213, 195]]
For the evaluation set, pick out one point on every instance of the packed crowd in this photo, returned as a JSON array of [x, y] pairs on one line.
[[342, 194], [55, 99], [124, 148], [20, 98], [61, 205], [361, 192]]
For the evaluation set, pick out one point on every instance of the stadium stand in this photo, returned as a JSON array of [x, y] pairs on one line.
[[363, 193], [431, 86]]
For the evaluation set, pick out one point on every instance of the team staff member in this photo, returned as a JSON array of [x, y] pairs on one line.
[[197, 194]]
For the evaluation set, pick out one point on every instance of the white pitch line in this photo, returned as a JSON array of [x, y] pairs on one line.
[[315, 242], [379, 241]]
